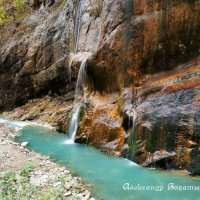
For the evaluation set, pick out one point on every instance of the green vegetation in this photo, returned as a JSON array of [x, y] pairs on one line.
[[18, 187], [133, 143], [11, 11]]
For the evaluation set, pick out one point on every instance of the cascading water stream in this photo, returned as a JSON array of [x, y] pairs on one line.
[[74, 125], [82, 76], [77, 34]]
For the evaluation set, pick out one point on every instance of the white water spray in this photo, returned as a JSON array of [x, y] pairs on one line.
[[73, 128], [82, 76]]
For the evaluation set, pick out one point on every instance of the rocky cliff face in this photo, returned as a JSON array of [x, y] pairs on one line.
[[143, 71], [143, 37], [143, 53], [33, 57]]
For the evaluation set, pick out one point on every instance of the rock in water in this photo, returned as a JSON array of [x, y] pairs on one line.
[[24, 144]]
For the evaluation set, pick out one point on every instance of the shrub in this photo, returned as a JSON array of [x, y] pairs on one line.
[[11, 10], [15, 187]]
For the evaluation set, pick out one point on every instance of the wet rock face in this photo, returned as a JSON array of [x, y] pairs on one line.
[[34, 60], [145, 37], [106, 130], [168, 116], [128, 39], [156, 124], [101, 124]]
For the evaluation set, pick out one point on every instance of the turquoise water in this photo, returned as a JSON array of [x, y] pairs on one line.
[[107, 174]]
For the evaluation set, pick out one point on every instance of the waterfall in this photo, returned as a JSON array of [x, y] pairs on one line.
[[82, 76], [77, 25], [77, 34], [73, 127]]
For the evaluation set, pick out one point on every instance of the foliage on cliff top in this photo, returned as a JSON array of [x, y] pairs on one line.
[[12, 11]]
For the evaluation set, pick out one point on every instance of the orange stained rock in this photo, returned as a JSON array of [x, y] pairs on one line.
[[185, 86], [169, 77], [182, 78]]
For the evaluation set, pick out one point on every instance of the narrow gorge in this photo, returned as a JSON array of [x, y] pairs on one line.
[[120, 76]]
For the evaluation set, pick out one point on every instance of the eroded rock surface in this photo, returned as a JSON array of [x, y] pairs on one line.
[[143, 69], [33, 59]]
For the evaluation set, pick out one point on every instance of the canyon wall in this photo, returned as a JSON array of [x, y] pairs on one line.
[[145, 71], [143, 98], [34, 55]]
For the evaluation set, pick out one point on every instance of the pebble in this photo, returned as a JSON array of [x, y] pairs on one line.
[[46, 173], [68, 194], [68, 186], [67, 172], [62, 169], [86, 195], [24, 144]]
